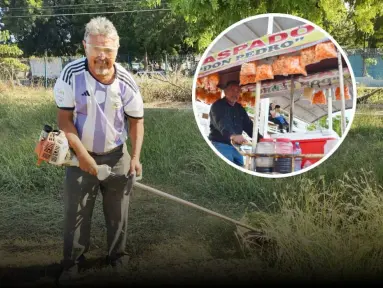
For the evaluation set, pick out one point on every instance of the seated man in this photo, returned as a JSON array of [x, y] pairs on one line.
[[271, 111], [277, 118], [228, 120]]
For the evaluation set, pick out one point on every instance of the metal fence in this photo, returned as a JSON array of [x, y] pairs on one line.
[[370, 75], [367, 75], [44, 71]]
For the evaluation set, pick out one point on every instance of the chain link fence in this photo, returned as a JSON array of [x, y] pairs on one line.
[[43, 71], [367, 65]]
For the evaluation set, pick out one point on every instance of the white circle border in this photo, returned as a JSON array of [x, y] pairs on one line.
[[295, 172]]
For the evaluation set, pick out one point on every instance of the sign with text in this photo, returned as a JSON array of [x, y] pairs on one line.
[[319, 80], [286, 41]]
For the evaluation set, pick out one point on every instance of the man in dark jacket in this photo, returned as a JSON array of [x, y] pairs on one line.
[[228, 120]]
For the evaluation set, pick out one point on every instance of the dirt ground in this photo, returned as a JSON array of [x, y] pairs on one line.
[[168, 243]]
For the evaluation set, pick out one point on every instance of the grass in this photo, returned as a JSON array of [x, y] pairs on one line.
[[174, 88], [377, 98], [326, 221]]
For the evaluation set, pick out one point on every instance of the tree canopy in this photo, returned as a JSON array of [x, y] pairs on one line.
[[9, 64], [345, 20], [178, 26], [156, 32]]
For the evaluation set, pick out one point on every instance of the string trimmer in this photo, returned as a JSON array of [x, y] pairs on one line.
[[53, 148]]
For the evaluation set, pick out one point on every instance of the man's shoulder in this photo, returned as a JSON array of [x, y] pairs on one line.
[[123, 72], [239, 107], [126, 77], [76, 62], [72, 67], [121, 68], [218, 103]]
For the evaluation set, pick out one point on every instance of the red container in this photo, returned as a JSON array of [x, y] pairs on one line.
[[312, 146]]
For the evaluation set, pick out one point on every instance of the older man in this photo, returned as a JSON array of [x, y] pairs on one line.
[[228, 120], [95, 96]]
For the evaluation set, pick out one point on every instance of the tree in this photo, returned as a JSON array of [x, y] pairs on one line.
[[154, 32], [341, 18], [9, 64], [323, 123], [369, 62]]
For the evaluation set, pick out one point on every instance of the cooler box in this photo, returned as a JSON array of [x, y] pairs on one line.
[[312, 146], [310, 142]]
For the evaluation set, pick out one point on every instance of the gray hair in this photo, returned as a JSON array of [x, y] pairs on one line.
[[101, 26]]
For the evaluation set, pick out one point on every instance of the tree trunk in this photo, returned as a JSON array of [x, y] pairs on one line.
[[146, 60], [364, 56]]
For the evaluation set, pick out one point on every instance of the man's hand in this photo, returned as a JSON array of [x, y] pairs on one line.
[[88, 164], [238, 139], [135, 167]]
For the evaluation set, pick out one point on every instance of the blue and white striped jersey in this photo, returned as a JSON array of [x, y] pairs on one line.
[[98, 109]]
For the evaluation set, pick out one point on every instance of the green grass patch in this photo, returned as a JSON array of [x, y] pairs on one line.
[[328, 219]]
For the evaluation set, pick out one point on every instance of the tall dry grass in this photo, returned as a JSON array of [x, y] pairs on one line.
[[173, 87], [322, 230]]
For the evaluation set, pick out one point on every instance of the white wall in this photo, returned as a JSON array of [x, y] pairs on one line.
[[202, 108]]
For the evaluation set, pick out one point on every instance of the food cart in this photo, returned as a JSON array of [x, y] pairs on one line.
[[299, 68]]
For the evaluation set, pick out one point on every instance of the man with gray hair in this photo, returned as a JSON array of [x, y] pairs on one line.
[[97, 98]]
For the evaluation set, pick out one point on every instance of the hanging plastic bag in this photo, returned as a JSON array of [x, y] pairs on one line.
[[201, 82], [346, 93], [213, 80], [308, 56], [201, 94], [248, 69], [308, 93], [264, 71], [242, 101], [212, 97], [319, 98], [252, 101], [278, 66], [325, 50], [247, 74], [287, 65], [294, 65], [247, 79], [246, 97]]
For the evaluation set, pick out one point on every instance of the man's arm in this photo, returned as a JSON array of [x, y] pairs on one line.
[[136, 134], [220, 122], [65, 123], [248, 126]]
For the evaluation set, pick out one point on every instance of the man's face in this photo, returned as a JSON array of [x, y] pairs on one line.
[[232, 93], [101, 53]]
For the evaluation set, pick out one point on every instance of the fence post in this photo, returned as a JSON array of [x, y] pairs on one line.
[[166, 63], [45, 69]]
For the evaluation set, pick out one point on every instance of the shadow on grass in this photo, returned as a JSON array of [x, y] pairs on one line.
[[45, 274]]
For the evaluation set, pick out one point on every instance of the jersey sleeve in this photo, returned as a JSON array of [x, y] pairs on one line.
[[134, 105], [63, 95]]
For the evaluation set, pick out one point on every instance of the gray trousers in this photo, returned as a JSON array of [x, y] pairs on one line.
[[80, 192]]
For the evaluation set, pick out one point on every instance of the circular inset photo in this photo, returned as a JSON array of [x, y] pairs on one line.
[[274, 95]]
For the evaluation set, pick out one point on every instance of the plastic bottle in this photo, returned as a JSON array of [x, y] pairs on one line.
[[297, 161]]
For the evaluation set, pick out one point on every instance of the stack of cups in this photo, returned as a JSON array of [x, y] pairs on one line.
[[265, 164], [283, 146]]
